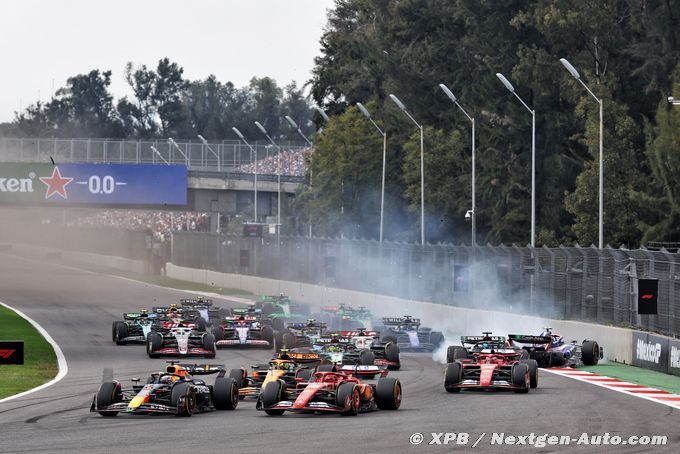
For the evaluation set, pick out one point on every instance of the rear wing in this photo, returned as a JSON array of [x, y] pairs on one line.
[[358, 370], [303, 357], [302, 326], [333, 340], [357, 333], [194, 302], [400, 321], [202, 369], [477, 339], [529, 339], [136, 315]]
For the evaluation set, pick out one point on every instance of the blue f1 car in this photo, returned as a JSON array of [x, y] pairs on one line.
[[551, 350]]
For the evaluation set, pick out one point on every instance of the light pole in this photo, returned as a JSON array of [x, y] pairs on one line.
[[321, 112], [254, 152], [367, 114], [422, 167], [207, 145], [600, 222], [473, 215], [278, 172], [157, 153], [673, 101], [511, 89], [174, 144]]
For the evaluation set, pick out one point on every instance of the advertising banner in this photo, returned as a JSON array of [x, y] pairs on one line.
[[674, 356], [648, 292], [11, 352], [650, 351], [93, 184]]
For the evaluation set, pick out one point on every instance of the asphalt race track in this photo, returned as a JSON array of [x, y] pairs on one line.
[[77, 307]]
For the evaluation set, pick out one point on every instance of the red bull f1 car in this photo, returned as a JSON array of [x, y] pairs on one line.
[[176, 391], [339, 391]]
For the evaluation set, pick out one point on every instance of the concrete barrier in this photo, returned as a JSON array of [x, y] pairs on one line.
[[453, 321]]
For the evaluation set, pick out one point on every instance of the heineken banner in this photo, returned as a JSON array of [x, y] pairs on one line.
[[93, 184]]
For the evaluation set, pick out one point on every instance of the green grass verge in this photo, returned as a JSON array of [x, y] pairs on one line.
[[638, 375], [40, 361]]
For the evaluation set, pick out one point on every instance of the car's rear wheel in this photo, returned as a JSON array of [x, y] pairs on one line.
[[289, 341], [109, 393], [455, 352], [268, 309], [278, 324], [533, 371], [154, 342], [366, 358], [392, 355], [348, 398], [273, 393], [436, 338], [519, 374], [209, 345], [268, 335], [590, 353], [218, 332], [183, 398], [453, 377], [201, 324], [120, 332], [225, 393], [388, 393], [524, 354], [238, 375]]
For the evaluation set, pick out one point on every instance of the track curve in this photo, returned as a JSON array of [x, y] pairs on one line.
[[76, 307]]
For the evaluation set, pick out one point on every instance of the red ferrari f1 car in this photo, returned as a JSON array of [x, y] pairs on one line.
[[337, 391]]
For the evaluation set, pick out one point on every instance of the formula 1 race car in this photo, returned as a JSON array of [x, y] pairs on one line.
[[407, 333], [299, 335], [359, 347], [201, 307], [332, 392], [243, 332], [171, 315], [475, 344], [134, 328], [290, 367], [492, 368], [180, 341], [343, 317], [550, 350], [176, 391], [281, 309]]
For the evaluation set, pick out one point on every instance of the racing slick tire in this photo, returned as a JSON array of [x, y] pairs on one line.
[[453, 376], [519, 373], [201, 324], [154, 341], [268, 309], [436, 338], [268, 335], [523, 354], [556, 359], [225, 393], [348, 398], [325, 368], [278, 324], [120, 332], [590, 353], [274, 392], [454, 352], [388, 393], [185, 406], [288, 340], [278, 341], [208, 341], [533, 371], [109, 393], [366, 358], [239, 376], [392, 355], [305, 374], [218, 332]]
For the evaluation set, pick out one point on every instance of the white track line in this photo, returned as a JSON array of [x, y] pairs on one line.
[[579, 375], [61, 359]]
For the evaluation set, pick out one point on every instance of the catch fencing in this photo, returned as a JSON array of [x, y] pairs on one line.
[[585, 284], [227, 156]]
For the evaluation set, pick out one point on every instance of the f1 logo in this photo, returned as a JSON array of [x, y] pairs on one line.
[[11, 352]]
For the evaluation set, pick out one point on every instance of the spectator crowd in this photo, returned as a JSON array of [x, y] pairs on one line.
[[159, 223], [292, 164]]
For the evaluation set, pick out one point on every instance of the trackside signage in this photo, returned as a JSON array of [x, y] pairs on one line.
[[11, 352], [95, 184], [674, 357], [651, 351]]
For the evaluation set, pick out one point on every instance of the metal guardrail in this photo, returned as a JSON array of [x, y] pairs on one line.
[[225, 156], [576, 283]]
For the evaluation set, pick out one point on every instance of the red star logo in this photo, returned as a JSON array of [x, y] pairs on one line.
[[56, 184]]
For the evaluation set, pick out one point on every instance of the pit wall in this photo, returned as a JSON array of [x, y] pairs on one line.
[[453, 321]]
